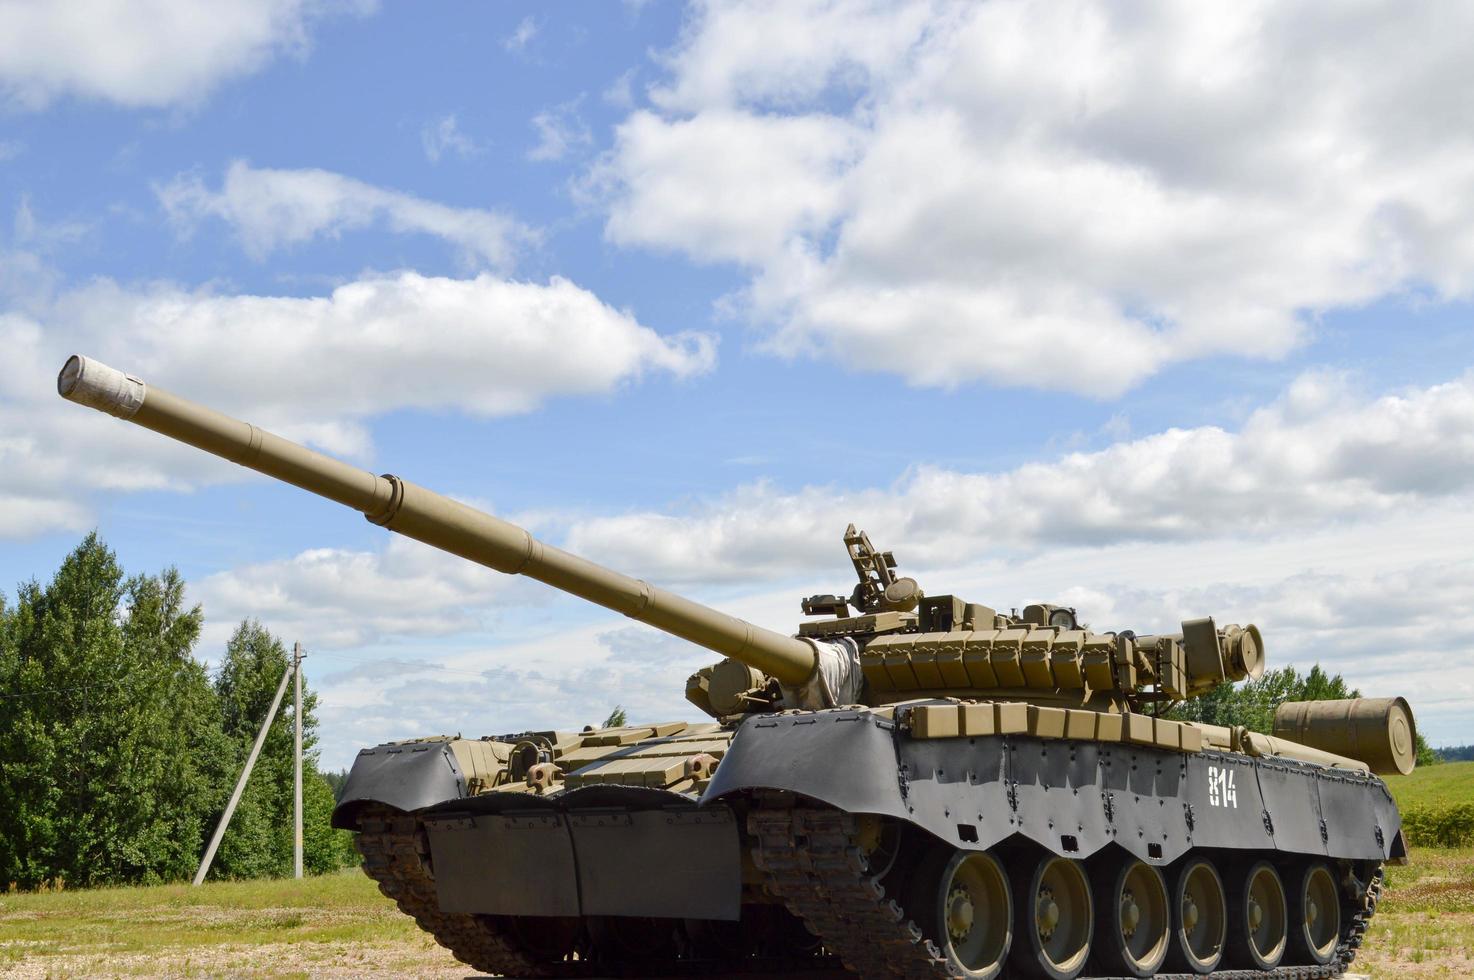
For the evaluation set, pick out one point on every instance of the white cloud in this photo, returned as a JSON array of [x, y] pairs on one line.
[[366, 702], [273, 209], [1055, 195], [519, 39], [443, 137], [492, 684], [1322, 452], [559, 130], [312, 368], [145, 54], [22, 517], [333, 598], [725, 186]]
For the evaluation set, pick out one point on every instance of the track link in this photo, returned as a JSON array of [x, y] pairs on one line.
[[814, 863]]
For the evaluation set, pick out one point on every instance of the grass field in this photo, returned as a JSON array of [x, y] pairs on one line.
[[1451, 782], [334, 926], [339, 925]]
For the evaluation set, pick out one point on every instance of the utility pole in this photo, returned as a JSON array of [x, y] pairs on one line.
[[240, 784], [297, 758]]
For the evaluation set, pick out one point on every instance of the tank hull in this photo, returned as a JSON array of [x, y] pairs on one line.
[[744, 852]]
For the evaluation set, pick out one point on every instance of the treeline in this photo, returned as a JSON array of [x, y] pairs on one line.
[[1252, 704], [1456, 753], [118, 750]]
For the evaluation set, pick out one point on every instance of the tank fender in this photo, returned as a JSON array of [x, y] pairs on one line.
[[1072, 797], [404, 775], [595, 850], [1075, 798], [843, 757]]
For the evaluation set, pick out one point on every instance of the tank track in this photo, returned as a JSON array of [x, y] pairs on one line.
[[395, 852], [814, 863], [394, 849]]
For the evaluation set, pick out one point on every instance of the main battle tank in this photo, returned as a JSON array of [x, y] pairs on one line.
[[912, 786]]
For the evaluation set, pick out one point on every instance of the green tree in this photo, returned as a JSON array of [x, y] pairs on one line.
[[259, 841], [323, 848], [616, 719], [105, 773], [337, 779], [1427, 754], [1252, 704]]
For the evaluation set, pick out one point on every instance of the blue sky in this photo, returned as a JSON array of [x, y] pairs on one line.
[[1165, 315]]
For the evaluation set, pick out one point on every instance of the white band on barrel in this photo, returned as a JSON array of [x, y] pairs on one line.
[[94, 384]]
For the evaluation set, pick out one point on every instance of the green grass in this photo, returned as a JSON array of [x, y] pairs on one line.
[[1443, 784], [1425, 923], [278, 928], [1435, 881], [1437, 804]]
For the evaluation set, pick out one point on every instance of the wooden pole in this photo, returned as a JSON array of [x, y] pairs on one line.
[[240, 784], [297, 773]]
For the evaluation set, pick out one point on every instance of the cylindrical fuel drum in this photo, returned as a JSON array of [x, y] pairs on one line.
[[1377, 731]]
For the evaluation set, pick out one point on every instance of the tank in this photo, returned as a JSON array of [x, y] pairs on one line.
[[910, 785]]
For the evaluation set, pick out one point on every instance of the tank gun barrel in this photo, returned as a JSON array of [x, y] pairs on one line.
[[431, 518]]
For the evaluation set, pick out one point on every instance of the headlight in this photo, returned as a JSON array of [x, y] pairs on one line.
[[1063, 618]]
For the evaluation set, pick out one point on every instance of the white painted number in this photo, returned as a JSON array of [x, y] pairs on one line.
[[1221, 790]]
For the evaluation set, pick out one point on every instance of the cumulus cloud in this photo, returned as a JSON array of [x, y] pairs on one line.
[[273, 209], [332, 598], [1054, 195], [1321, 452], [358, 708], [725, 186], [563, 680], [151, 54], [313, 368], [1390, 625]]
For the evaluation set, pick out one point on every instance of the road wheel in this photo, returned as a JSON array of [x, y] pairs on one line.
[[1258, 918], [1199, 918], [1054, 918], [1132, 925], [1316, 916], [962, 903]]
